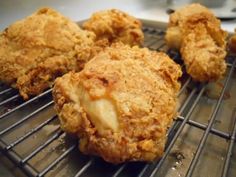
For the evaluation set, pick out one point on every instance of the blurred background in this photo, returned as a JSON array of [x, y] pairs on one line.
[[12, 10]]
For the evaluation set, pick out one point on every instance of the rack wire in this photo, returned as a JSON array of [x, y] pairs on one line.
[[17, 114]]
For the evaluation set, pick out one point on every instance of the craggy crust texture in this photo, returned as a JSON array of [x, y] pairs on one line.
[[121, 104], [116, 25], [204, 60], [197, 33], [36, 50]]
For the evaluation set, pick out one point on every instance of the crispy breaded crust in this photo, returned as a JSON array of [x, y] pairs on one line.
[[183, 20], [204, 59], [36, 50], [196, 32], [115, 26], [141, 85]]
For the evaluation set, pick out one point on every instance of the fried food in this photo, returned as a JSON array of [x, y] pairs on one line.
[[196, 32], [36, 50], [232, 42], [115, 26], [121, 104]]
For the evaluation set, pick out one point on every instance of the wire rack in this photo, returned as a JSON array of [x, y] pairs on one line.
[[31, 138]]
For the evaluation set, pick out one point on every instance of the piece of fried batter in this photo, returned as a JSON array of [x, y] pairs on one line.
[[121, 104], [116, 25], [196, 32], [36, 50]]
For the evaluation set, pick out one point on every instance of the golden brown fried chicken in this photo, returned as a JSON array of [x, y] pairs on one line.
[[116, 25], [121, 104], [197, 33], [36, 50]]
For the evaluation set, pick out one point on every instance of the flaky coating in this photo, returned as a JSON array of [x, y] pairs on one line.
[[138, 88], [204, 59], [196, 32], [36, 50], [183, 21], [115, 26]]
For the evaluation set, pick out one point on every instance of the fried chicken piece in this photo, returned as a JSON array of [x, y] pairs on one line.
[[196, 32], [36, 50], [121, 104], [116, 25], [232, 42]]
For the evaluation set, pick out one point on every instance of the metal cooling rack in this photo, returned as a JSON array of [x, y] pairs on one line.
[[31, 138]]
